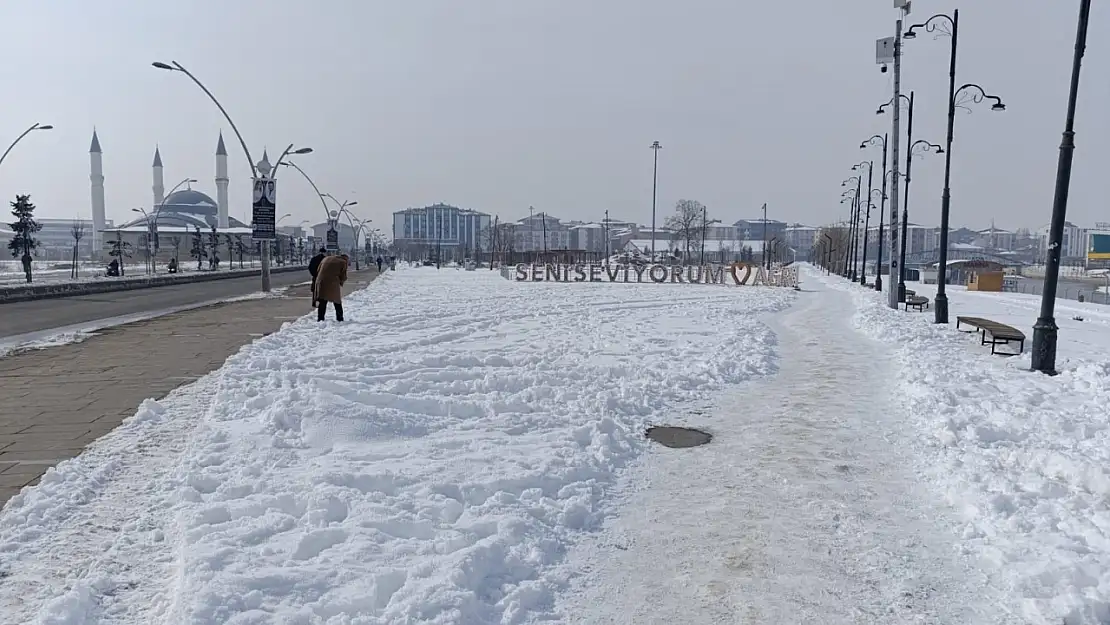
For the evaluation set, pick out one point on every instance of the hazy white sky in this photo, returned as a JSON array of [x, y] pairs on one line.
[[500, 104]]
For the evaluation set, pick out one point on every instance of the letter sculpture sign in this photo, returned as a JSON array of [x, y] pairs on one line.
[[740, 273]]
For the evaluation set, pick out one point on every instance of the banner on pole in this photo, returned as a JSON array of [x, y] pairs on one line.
[[264, 210]]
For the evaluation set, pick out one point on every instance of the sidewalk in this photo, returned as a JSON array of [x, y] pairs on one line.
[[55, 401]]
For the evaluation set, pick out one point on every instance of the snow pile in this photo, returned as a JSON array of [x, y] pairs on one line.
[[430, 460], [1023, 457]]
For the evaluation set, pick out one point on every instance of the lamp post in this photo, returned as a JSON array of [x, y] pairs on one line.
[[655, 147], [323, 202], [853, 235], [35, 126], [882, 208], [828, 252], [867, 218], [1045, 331], [174, 66], [949, 26], [153, 220]]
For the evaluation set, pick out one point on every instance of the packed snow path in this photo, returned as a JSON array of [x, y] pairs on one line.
[[804, 509]]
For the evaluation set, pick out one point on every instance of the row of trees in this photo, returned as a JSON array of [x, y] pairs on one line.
[[204, 246]]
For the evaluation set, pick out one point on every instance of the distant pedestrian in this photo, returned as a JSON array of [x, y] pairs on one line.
[[380, 261], [329, 285], [314, 270]]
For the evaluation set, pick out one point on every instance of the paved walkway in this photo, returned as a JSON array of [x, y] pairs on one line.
[[54, 402]]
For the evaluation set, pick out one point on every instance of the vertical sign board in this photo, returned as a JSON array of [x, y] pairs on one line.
[[333, 240], [264, 210]]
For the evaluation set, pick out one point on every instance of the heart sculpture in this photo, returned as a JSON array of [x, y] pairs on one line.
[[747, 273]]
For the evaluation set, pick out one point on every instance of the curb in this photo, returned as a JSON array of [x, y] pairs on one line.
[[70, 289]]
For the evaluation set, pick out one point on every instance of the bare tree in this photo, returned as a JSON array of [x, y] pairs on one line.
[[686, 223], [77, 230]]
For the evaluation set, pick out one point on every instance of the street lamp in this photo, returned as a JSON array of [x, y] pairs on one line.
[[853, 230], [867, 218], [925, 147], [1043, 357], [882, 206], [152, 220], [655, 147], [323, 202], [950, 26], [174, 66], [35, 126]]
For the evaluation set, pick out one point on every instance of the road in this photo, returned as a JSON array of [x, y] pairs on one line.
[[35, 316]]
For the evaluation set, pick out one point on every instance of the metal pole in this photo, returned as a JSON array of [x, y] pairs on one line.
[[905, 210], [940, 304], [882, 207], [654, 188], [892, 294], [1045, 330], [866, 223], [704, 215], [765, 251], [855, 239], [34, 126]]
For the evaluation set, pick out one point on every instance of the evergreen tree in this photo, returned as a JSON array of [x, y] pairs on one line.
[[197, 251], [24, 228]]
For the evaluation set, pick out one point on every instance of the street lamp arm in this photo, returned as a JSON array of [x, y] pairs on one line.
[[926, 146], [976, 94], [859, 165], [940, 22], [34, 126], [871, 141], [323, 202], [246, 151], [890, 102]]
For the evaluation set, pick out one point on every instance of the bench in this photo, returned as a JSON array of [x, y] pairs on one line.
[[1000, 333], [910, 293], [917, 302]]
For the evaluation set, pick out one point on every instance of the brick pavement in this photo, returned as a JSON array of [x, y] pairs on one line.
[[55, 401]]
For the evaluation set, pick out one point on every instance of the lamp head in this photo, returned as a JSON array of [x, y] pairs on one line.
[[998, 106], [909, 34], [45, 127], [161, 65], [303, 151]]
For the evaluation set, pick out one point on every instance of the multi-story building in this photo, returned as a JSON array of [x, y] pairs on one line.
[[800, 237], [753, 229], [1073, 245], [995, 239], [529, 234], [447, 232]]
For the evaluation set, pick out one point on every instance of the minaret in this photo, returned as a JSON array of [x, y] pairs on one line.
[[96, 178], [221, 184], [159, 183]]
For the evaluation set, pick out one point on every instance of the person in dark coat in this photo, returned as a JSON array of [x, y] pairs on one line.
[[380, 261], [314, 270], [329, 285]]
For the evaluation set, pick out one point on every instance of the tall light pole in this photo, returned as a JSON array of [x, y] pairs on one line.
[[1045, 330], [174, 66], [35, 126], [765, 255], [882, 208], [655, 147], [949, 26], [153, 220], [323, 202], [867, 218]]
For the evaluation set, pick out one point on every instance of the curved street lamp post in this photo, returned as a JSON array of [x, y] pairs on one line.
[[882, 208], [174, 66], [35, 126], [949, 26], [867, 218]]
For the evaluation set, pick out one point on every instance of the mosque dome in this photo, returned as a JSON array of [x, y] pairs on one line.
[[189, 201]]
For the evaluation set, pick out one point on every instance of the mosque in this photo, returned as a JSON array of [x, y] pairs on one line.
[[175, 217]]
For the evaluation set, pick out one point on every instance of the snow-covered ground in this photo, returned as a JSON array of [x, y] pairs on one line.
[[433, 459], [1023, 458], [468, 450]]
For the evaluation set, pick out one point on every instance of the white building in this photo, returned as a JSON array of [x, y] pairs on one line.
[[539, 232], [1073, 245], [801, 237], [454, 233]]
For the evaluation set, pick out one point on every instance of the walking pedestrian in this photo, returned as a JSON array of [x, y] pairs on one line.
[[380, 261], [314, 269], [329, 285]]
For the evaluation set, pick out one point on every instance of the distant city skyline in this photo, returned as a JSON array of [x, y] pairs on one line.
[[549, 105]]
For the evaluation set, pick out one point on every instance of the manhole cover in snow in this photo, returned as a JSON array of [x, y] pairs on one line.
[[678, 437]]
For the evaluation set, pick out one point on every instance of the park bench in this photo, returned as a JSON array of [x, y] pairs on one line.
[[917, 302], [910, 293], [1000, 333]]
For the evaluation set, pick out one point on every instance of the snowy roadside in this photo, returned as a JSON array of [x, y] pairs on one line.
[[1023, 458], [431, 459], [67, 335]]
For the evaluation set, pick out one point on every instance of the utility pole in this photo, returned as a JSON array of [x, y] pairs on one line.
[[766, 261], [896, 135], [606, 237], [654, 187]]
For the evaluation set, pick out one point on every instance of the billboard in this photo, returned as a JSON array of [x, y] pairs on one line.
[[1098, 246]]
